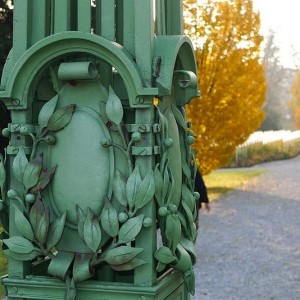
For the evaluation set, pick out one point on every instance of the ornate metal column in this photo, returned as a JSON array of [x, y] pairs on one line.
[[97, 197]]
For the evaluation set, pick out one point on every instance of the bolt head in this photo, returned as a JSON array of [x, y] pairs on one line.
[[105, 143], [147, 223], [196, 195], [168, 142], [30, 198], [6, 132], [24, 130], [136, 136], [123, 217], [190, 140], [173, 208], [50, 139], [12, 194], [163, 211]]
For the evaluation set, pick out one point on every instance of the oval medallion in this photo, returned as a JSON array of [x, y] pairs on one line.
[[83, 169]]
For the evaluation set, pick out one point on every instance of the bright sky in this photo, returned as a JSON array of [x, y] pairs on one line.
[[283, 17]]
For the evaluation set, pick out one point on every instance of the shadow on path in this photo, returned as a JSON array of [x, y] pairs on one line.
[[248, 247]]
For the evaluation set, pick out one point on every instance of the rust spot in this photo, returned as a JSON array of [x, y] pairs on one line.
[[72, 82], [109, 124]]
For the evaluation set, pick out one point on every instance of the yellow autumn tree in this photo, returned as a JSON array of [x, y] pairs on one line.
[[295, 101], [231, 77]]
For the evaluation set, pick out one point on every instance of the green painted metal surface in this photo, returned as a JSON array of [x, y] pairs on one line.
[[97, 197]]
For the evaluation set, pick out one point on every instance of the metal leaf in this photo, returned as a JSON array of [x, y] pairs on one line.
[[184, 225], [114, 108], [121, 255], [81, 267], [71, 292], [60, 264], [2, 176], [56, 230], [119, 188], [109, 219], [22, 257], [47, 111], [178, 116], [42, 227], [188, 213], [166, 181], [189, 246], [92, 231], [22, 224], [61, 118], [189, 279], [173, 231], [44, 179], [19, 245], [130, 229], [36, 212], [132, 186], [145, 191], [134, 263], [32, 172], [19, 164], [186, 169], [80, 221], [160, 267], [164, 255], [188, 197], [158, 179]]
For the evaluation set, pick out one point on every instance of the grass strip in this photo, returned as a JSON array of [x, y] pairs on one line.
[[222, 181]]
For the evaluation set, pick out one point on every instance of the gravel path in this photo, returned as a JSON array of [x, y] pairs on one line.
[[249, 244]]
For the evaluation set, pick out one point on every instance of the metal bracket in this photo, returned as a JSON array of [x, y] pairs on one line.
[[145, 151], [15, 127], [138, 127], [143, 128], [13, 150], [156, 128]]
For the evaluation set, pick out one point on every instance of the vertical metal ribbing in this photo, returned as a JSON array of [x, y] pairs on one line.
[[21, 27], [144, 37], [144, 44], [61, 11], [106, 19], [147, 238], [174, 18], [120, 21], [84, 15], [105, 27], [128, 26], [40, 20], [160, 19]]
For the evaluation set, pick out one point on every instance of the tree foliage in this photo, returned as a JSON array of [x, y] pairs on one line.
[[275, 107], [295, 101], [231, 77], [6, 25]]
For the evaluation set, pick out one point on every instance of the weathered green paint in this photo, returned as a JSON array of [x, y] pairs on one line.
[[114, 167], [39, 20], [173, 12], [61, 16], [84, 15]]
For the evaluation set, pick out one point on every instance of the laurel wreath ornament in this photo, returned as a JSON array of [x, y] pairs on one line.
[[39, 233]]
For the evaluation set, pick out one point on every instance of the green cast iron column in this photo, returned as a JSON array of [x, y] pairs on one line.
[[99, 169]]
